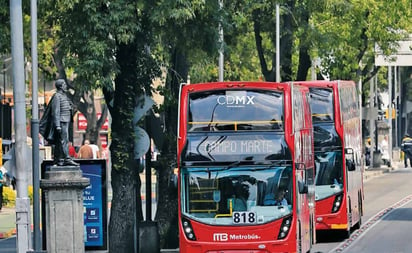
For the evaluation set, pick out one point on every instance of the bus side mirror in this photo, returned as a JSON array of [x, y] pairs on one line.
[[350, 164], [303, 187], [350, 159], [300, 166]]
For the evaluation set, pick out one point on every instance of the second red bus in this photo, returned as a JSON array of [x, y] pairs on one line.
[[338, 154]]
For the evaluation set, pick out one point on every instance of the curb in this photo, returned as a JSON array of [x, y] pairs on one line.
[[11, 232], [4, 235]]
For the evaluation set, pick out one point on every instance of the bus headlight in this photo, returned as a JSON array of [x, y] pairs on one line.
[[337, 203], [285, 227], [187, 228]]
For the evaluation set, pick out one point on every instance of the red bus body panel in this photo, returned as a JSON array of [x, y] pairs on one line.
[[260, 238]]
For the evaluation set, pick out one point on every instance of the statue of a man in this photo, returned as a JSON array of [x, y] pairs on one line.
[[54, 125]]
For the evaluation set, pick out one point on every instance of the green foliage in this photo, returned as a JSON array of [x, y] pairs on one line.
[[30, 193], [346, 33], [9, 196], [5, 38]]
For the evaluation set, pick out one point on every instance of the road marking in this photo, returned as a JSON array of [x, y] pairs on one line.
[[369, 224]]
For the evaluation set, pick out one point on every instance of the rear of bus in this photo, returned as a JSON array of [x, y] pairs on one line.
[[234, 162]]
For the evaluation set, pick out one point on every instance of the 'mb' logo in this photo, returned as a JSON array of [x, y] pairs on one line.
[[220, 237]]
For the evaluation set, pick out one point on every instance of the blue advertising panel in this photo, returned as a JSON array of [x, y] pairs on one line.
[[94, 203]]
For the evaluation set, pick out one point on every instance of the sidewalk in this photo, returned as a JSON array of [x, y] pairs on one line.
[[7, 222], [371, 172]]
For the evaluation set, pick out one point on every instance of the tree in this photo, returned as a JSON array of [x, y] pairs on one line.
[[108, 46], [347, 33], [50, 57], [342, 34], [59, 64], [182, 36]]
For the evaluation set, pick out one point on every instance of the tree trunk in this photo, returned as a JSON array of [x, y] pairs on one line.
[[269, 74], [125, 177], [85, 104], [304, 63], [167, 209], [122, 217], [286, 43], [304, 57]]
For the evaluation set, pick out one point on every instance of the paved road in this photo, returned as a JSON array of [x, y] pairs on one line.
[[387, 217], [389, 233], [8, 245]]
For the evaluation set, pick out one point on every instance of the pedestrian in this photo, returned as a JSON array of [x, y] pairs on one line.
[[96, 150], [54, 125], [85, 151], [72, 150], [105, 152], [384, 147], [406, 147], [41, 141]]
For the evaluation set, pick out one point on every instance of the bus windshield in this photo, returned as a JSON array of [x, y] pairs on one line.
[[235, 110], [321, 104], [243, 195], [329, 178]]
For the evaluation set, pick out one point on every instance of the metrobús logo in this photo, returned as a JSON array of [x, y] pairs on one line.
[[223, 237]]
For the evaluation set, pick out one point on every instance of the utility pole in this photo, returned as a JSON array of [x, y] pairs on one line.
[[372, 120], [277, 44], [221, 46], [390, 113], [22, 200], [399, 107], [35, 129]]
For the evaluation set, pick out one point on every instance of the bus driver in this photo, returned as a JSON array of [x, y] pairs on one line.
[[279, 200]]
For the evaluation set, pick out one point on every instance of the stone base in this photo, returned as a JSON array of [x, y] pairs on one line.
[[63, 190]]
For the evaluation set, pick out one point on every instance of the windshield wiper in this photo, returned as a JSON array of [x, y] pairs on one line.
[[328, 149], [278, 162]]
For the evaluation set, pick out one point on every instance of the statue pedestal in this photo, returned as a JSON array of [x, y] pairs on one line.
[[63, 192]]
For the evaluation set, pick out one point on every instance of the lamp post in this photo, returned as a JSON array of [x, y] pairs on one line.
[[22, 199], [277, 44], [35, 129], [221, 45]]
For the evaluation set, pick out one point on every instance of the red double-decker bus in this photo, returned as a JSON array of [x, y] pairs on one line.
[[338, 154], [245, 168]]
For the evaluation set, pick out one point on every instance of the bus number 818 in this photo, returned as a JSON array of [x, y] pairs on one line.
[[244, 217]]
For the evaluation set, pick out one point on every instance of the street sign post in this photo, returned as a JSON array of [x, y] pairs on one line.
[[403, 56]]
